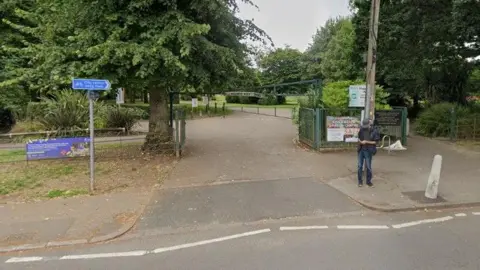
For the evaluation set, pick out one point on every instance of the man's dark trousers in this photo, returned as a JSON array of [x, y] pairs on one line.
[[365, 156]]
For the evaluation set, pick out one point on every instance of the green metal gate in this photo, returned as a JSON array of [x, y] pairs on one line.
[[338, 127]]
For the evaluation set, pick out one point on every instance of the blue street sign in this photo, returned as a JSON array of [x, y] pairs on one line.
[[90, 84]]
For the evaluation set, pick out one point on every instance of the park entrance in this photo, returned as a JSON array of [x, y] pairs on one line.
[[326, 128]]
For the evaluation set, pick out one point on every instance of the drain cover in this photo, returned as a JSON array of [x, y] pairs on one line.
[[419, 196]]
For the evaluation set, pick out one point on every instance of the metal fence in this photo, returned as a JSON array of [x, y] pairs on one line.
[[307, 130], [466, 129], [283, 112], [338, 128]]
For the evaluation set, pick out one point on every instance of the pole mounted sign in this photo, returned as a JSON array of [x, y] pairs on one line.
[[90, 84], [93, 86]]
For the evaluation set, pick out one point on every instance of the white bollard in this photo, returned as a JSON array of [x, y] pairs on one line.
[[431, 191]]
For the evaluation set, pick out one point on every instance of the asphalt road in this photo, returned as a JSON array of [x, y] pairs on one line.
[[421, 240]]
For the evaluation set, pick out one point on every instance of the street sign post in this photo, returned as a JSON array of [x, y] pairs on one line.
[[93, 86], [90, 84]]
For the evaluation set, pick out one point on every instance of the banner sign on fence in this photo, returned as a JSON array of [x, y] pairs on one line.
[[58, 148], [342, 129], [356, 94], [389, 117]]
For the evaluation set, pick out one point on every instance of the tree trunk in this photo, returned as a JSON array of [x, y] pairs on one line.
[[159, 132], [132, 97], [145, 96]]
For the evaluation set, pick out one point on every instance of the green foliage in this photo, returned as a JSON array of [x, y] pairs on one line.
[[314, 53], [154, 45], [121, 117], [336, 59], [144, 108], [436, 121], [335, 95], [35, 110], [67, 109], [248, 100], [268, 100], [283, 65], [232, 99], [423, 46]]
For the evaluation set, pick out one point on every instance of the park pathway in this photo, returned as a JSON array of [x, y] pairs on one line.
[[246, 146], [245, 168]]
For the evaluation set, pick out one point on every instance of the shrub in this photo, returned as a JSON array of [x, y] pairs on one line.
[[232, 99], [35, 110], [27, 126], [335, 95], [436, 120], [145, 108], [268, 100], [67, 109], [281, 100], [248, 100], [121, 117]]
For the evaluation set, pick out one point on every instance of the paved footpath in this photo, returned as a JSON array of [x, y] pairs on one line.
[[401, 178], [63, 222], [245, 168]]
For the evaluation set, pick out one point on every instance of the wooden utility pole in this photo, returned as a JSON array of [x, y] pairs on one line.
[[371, 60]]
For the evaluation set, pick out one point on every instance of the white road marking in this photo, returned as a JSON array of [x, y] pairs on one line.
[[460, 215], [23, 259], [362, 227], [211, 241], [104, 255], [476, 213], [297, 228], [418, 222], [137, 252]]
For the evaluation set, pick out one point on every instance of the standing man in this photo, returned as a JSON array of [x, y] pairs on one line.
[[367, 148]]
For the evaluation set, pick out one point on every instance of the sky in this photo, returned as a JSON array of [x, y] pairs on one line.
[[293, 22]]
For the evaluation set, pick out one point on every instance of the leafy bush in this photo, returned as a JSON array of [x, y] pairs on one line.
[[145, 108], [67, 109], [232, 99], [27, 126], [281, 100], [436, 120], [248, 100], [35, 110], [335, 95], [121, 117], [268, 100]]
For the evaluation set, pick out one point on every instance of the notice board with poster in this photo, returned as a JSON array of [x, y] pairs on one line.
[[58, 148], [388, 117], [342, 128]]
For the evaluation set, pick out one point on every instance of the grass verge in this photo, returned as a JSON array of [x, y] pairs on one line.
[[117, 167]]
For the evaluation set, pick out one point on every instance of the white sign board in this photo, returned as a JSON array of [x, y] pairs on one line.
[[194, 102], [120, 96], [356, 94], [205, 100], [342, 129]]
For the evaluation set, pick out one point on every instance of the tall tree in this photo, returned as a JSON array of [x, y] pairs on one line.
[[13, 95], [336, 61], [419, 53], [283, 65], [161, 45], [313, 54]]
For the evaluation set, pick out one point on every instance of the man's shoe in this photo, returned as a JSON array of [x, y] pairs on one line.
[[360, 185], [370, 184]]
